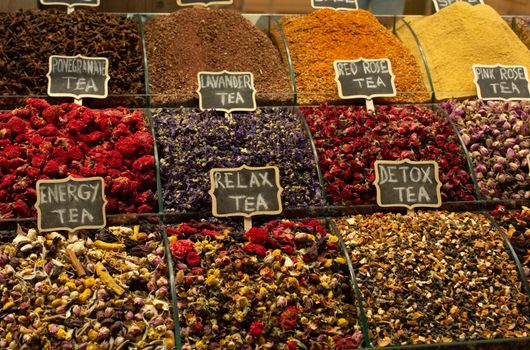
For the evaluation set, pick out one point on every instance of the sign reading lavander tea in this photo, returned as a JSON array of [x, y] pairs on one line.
[[365, 78], [336, 4], [71, 204], [226, 91], [499, 82], [407, 184], [441, 4], [245, 191], [78, 76], [204, 3], [71, 3]]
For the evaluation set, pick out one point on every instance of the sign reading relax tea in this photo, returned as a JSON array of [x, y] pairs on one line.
[[365, 78], [78, 76], [407, 184], [226, 91], [246, 191], [71, 204], [71, 3], [336, 4], [500, 82], [204, 3], [441, 4]]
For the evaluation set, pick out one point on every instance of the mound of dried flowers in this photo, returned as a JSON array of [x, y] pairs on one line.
[[517, 228], [282, 286], [191, 143], [114, 296], [349, 140], [435, 277], [497, 135], [42, 141]]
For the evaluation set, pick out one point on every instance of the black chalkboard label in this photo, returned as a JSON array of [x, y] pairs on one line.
[[335, 4], [407, 184], [245, 191], [78, 76], [71, 204], [500, 82], [441, 4], [365, 78], [204, 3], [226, 91], [71, 3]]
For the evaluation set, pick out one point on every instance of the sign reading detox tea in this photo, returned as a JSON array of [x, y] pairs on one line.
[[71, 3], [407, 184], [78, 76], [204, 3], [226, 91], [501, 82], [71, 204], [365, 78], [441, 4], [246, 191], [336, 4]]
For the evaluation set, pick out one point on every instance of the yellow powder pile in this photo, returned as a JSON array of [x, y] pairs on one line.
[[318, 39], [456, 38]]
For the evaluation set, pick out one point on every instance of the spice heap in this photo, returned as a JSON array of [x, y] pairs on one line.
[[29, 38], [42, 141], [283, 286], [497, 135], [435, 277], [191, 143], [318, 39], [105, 290], [192, 40], [517, 228], [459, 36], [349, 140]]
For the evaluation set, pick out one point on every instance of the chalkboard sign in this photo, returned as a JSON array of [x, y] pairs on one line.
[[71, 3], [441, 4], [71, 204], [335, 4], [226, 91], [78, 76], [500, 82], [365, 78], [407, 184], [245, 191], [204, 3]]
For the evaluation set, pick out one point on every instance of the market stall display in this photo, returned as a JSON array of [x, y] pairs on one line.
[[282, 286], [435, 277]]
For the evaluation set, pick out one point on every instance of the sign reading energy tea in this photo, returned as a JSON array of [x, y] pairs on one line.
[[71, 3], [204, 3], [226, 91], [71, 204], [336, 4], [407, 184], [365, 78], [441, 4], [245, 191], [501, 82], [78, 76]]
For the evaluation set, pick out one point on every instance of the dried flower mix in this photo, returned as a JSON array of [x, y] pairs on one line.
[[318, 39], [43, 141], [435, 277], [29, 38], [106, 299], [456, 38], [521, 27], [281, 286], [349, 140], [190, 143], [193, 39], [497, 135]]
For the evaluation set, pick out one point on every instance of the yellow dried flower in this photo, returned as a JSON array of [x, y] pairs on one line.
[[342, 322]]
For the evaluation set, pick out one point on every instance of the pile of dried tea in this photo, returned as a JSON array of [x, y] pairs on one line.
[[456, 38], [318, 39], [192, 40], [435, 277]]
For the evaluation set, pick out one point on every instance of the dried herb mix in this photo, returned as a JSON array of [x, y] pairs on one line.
[[318, 39], [456, 38], [192, 40], [435, 277], [29, 38]]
